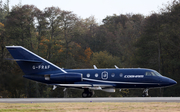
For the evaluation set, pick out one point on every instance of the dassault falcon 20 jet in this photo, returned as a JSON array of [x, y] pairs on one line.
[[38, 69]]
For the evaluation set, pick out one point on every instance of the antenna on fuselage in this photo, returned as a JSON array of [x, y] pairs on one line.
[[94, 66], [116, 67]]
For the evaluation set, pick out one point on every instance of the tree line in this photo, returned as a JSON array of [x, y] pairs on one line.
[[60, 36]]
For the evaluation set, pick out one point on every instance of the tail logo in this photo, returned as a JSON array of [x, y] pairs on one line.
[[41, 67]]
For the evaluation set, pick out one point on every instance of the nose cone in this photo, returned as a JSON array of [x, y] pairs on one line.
[[172, 82], [165, 81]]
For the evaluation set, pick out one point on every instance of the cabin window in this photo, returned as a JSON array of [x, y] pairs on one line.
[[96, 75], [121, 75], [113, 75], [88, 75]]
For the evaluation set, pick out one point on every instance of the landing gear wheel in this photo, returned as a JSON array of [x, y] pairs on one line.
[[90, 94], [84, 94], [87, 93]]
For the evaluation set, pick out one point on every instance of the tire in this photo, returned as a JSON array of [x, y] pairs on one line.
[[90, 94], [84, 95]]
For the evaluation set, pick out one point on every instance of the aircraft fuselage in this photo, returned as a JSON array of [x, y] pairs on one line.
[[119, 78]]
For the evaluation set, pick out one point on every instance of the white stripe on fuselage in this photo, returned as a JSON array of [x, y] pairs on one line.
[[115, 81]]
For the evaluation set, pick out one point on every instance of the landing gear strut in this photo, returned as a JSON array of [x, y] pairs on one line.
[[145, 92], [87, 93]]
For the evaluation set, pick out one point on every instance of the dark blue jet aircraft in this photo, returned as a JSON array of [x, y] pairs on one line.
[[41, 70]]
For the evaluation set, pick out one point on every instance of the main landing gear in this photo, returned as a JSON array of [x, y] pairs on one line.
[[87, 93], [145, 93]]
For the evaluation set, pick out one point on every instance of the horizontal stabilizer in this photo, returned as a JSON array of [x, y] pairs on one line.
[[23, 60]]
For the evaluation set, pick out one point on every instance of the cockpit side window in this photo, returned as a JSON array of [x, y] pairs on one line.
[[148, 74]]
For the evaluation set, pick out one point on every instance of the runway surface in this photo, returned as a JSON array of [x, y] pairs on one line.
[[109, 99]]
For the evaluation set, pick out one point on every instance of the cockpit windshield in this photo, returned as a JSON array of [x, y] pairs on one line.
[[158, 74], [154, 73]]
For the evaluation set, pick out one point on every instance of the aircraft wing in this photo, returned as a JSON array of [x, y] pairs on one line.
[[85, 85], [89, 86]]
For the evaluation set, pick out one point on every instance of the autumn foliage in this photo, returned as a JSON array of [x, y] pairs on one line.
[[60, 36]]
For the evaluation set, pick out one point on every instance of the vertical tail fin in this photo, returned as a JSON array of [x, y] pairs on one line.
[[29, 62]]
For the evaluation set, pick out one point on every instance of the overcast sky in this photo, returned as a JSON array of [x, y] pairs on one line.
[[98, 8]]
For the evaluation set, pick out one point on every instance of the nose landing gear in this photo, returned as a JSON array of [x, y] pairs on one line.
[[145, 93]]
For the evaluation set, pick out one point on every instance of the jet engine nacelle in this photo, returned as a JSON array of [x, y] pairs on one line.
[[66, 78], [111, 90]]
